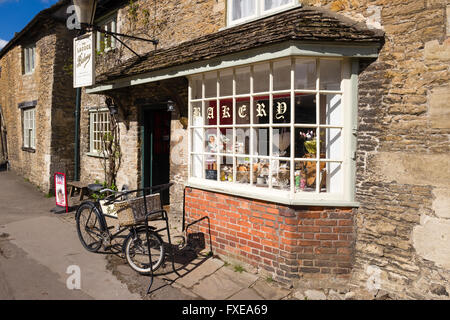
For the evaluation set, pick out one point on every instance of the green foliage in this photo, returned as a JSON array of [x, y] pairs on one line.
[[239, 268]]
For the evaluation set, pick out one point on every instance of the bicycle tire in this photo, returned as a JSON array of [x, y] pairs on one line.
[[90, 235], [136, 251]]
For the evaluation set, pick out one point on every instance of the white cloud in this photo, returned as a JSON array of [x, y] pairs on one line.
[[2, 43]]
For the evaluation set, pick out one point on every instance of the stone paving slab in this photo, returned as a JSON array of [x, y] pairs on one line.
[[216, 287], [246, 294], [268, 291], [198, 273], [244, 279]]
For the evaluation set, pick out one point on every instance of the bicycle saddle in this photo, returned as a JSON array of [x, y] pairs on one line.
[[95, 187]]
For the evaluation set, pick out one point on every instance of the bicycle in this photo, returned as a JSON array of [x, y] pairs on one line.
[[143, 247]]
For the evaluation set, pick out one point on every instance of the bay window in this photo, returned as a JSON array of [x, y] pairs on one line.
[[277, 127]]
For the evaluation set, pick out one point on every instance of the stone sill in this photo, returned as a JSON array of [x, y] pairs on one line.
[[94, 155], [26, 149]]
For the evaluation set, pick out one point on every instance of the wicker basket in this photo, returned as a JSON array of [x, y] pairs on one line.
[[132, 212]]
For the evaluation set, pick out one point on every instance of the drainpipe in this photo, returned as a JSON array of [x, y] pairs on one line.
[[77, 135]]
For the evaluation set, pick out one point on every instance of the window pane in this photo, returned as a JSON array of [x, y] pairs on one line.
[[281, 109], [226, 112], [211, 167], [332, 177], [305, 108], [281, 142], [305, 74], [243, 80], [197, 141], [281, 174], [226, 82], [331, 142], [226, 169], [261, 172], [282, 75], [243, 8], [261, 110], [331, 109], [196, 88], [243, 170], [261, 141], [242, 141], [243, 111], [330, 74], [211, 113], [211, 142], [226, 140], [210, 84], [261, 78], [305, 176], [302, 136], [196, 114], [272, 4], [197, 166]]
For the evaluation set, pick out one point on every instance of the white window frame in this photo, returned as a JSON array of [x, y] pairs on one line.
[[259, 11], [346, 197], [104, 25], [29, 59], [95, 131], [29, 128]]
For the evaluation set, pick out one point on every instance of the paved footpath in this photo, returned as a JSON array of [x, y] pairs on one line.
[[37, 247]]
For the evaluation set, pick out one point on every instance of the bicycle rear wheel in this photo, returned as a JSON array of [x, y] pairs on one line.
[[136, 251], [89, 226]]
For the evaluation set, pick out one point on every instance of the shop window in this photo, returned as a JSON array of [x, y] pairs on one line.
[[106, 42], [99, 123], [29, 128], [29, 59], [276, 126], [243, 10]]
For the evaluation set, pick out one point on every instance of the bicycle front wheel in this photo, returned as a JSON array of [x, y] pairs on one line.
[[89, 226], [136, 251]]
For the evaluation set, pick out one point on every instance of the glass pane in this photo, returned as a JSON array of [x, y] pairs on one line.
[[196, 114], [197, 166], [211, 142], [332, 177], [242, 141], [304, 142], [282, 75], [211, 167], [281, 109], [196, 87], [226, 169], [305, 74], [226, 140], [243, 80], [226, 82], [331, 143], [210, 84], [243, 170], [197, 141], [243, 111], [305, 108], [243, 8], [226, 112], [305, 176], [261, 141], [261, 110], [261, 78], [331, 109], [272, 4], [261, 172], [330, 74], [211, 113], [281, 142], [281, 174]]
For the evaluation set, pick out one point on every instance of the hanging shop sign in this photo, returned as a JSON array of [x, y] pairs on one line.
[[84, 61], [61, 190]]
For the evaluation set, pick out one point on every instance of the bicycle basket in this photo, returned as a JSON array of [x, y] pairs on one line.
[[132, 211]]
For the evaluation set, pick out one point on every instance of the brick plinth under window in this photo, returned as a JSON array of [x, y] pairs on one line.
[[287, 241]]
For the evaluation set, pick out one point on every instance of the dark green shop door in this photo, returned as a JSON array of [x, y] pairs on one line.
[[156, 161]]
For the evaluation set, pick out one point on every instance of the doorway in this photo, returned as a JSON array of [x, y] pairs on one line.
[[156, 148]]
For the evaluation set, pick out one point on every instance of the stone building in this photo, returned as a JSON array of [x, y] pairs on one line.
[[315, 135], [37, 98]]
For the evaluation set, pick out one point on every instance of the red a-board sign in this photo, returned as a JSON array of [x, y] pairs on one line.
[[61, 190]]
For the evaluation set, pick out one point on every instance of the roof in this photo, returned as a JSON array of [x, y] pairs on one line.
[[53, 12], [308, 24]]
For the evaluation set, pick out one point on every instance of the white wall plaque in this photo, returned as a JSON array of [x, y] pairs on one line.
[[84, 61]]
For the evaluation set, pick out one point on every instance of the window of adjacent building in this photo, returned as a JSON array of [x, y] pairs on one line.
[[242, 10], [29, 59], [99, 123], [277, 125], [106, 42], [29, 128]]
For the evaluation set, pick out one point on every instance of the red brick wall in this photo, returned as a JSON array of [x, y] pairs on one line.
[[287, 241]]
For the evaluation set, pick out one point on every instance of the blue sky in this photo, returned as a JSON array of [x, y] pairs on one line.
[[15, 15]]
